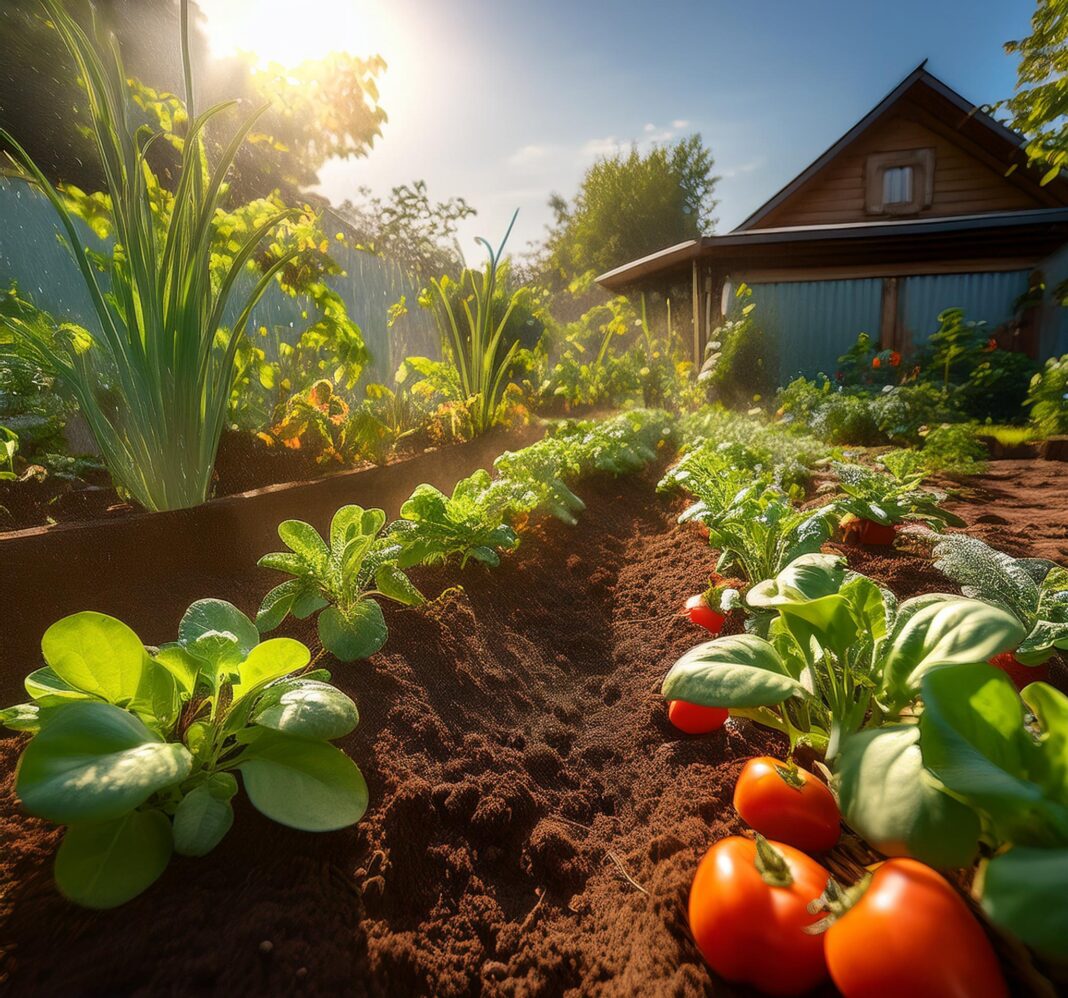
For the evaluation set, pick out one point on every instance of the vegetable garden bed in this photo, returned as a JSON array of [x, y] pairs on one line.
[[535, 820], [143, 565]]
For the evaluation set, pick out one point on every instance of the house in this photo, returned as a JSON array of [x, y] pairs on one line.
[[926, 203]]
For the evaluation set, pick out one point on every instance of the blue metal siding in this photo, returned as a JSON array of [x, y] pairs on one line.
[[986, 297], [815, 322]]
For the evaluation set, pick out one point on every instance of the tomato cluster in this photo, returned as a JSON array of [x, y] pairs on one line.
[[765, 914]]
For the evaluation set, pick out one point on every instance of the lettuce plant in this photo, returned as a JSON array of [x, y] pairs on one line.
[[471, 523], [880, 498], [541, 470], [135, 750], [1033, 590], [761, 532], [338, 580], [715, 475]]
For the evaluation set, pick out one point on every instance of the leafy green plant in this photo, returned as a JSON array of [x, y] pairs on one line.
[[1033, 590], [840, 656], [376, 426], [9, 447], [740, 365], [950, 449], [135, 750], [788, 454], [471, 336], [155, 383], [1003, 755], [314, 421], [714, 474], [338, 580], [880, 498], [1047, 397], [541, 470], [471, 523]]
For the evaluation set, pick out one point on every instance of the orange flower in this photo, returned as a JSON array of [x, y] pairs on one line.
[[875, 362], [991, 344], [895, 359]]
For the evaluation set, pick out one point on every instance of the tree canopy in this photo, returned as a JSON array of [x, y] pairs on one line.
[[1039, 108], [632, 204], [318, 110], [408, 227]]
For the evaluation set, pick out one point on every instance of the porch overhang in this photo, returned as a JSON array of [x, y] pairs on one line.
[[960, 243]]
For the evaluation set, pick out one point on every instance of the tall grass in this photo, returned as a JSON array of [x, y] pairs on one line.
[[155, 382]]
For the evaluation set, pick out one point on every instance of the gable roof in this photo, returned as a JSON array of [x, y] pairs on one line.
[[1005, 144]]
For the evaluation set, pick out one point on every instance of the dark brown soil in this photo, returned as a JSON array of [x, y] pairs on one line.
[[534, 822], [244, 462]]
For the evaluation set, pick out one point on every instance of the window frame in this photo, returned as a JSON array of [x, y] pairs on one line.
[[921, 162]]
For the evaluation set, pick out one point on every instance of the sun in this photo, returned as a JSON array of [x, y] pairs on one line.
[[278, 30]]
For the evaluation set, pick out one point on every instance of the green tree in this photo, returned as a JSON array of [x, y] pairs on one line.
[[1039, 108], [409, 228], [632, 204], [318, 110]]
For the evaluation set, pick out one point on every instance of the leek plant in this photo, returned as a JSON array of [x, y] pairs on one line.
[[473, 339], [154, 381]]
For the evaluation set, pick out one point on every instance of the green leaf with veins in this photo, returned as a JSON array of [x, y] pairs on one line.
[[97, 654], [889, 799], [94, 762], [103, 864], [309, 785], [739, 670]]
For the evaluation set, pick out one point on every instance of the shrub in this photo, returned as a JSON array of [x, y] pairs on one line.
[[1047, 397]]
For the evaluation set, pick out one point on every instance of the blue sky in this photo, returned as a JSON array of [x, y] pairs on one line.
[[503, 103]]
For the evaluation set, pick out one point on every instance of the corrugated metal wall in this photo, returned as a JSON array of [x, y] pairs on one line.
[[817, 321], [1054, 318], [32, 254], [989, 297]]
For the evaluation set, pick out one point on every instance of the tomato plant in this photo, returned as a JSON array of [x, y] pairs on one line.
[[906, 931], [693, 719], [783, 802], [749, 915]]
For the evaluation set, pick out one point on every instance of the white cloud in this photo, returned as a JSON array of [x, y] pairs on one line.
[[594, 148], [530, 155], [749, 166], [679, 123]]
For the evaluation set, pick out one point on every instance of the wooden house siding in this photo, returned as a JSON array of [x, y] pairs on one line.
[[963, 183]]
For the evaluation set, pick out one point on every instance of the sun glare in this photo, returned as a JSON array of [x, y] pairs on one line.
[[290, 33]]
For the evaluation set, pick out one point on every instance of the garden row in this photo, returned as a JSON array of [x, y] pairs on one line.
[[931, 718]]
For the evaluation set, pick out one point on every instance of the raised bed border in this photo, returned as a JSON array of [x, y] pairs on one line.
[[49, 572]]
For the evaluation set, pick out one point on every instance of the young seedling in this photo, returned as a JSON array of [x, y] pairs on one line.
[[339, 581], [135, 750]]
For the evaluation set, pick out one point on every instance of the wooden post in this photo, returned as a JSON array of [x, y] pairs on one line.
[[889, 324], [696, 314]]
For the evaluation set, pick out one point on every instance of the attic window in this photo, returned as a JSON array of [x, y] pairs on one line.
[[899, 183]]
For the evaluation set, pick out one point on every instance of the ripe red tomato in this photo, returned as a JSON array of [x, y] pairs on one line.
[[1020, 674], [749, 921], [875, 534], [786, 803], [702, 614], [695, 719], [911, 934]]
